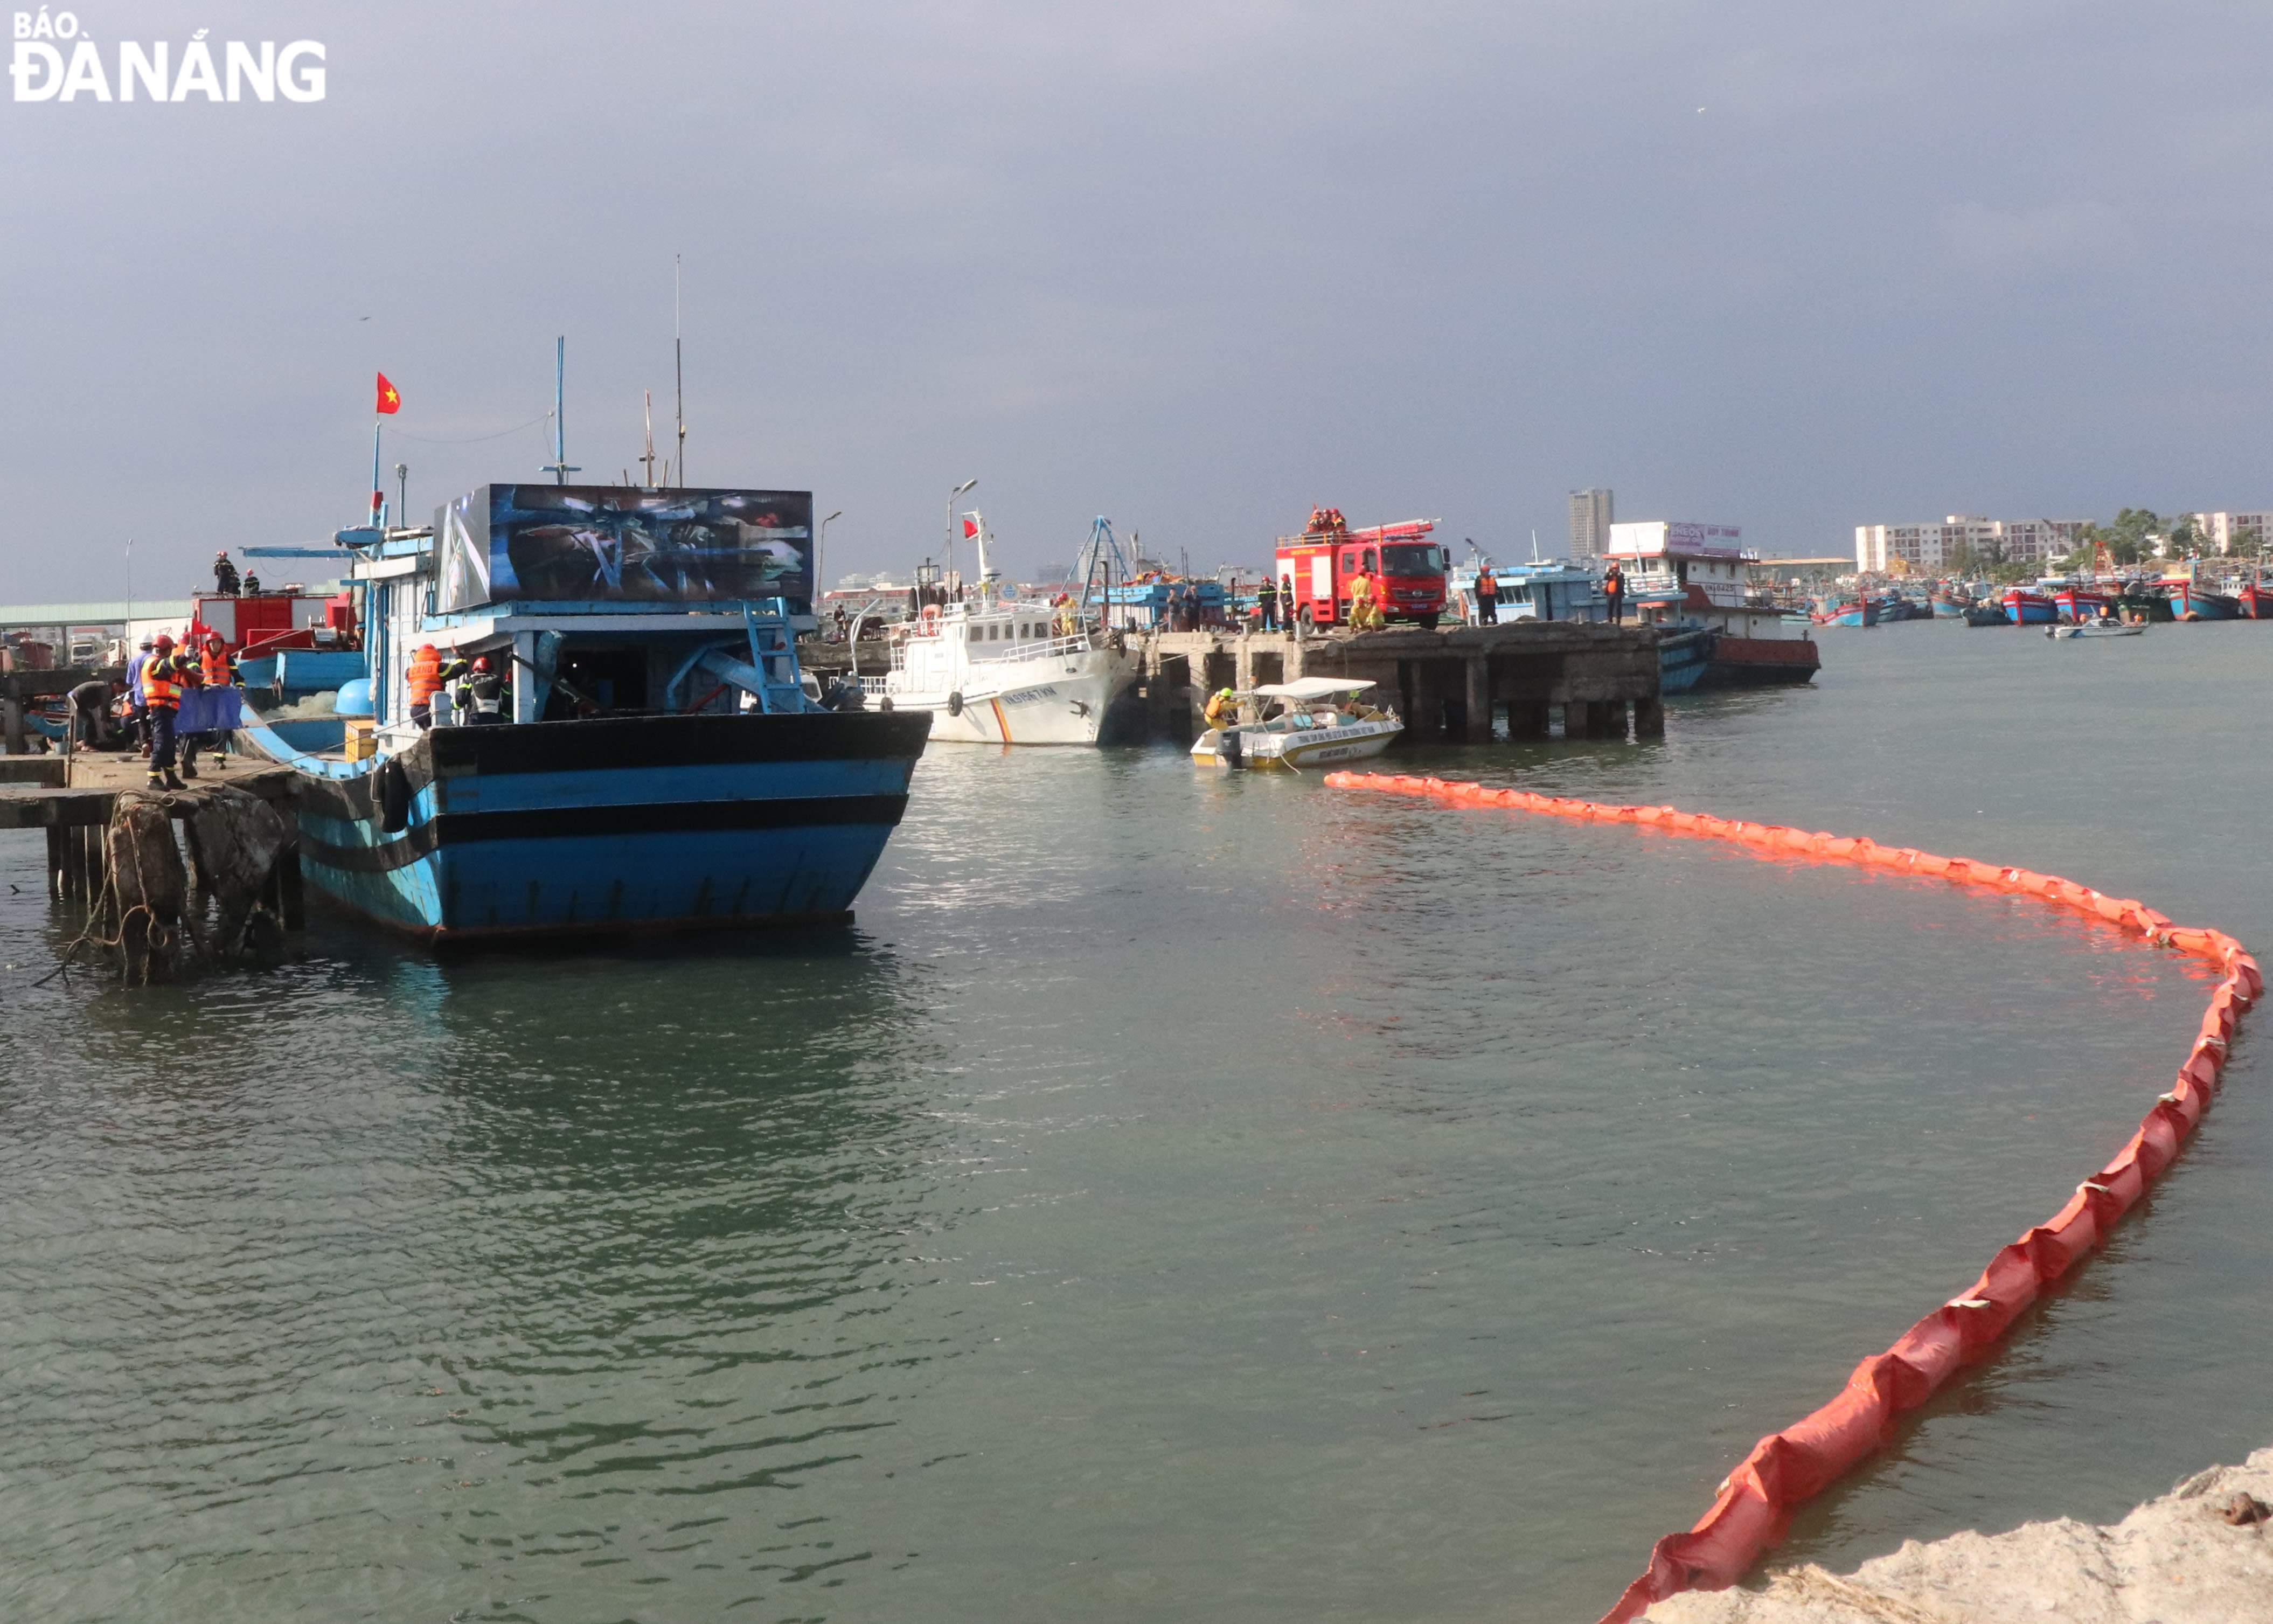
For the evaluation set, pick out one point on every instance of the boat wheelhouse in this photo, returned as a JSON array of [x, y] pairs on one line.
[[1686, 576], [1012, 671]]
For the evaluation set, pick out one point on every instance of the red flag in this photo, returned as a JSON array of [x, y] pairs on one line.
[[970, 527], [390, 400]]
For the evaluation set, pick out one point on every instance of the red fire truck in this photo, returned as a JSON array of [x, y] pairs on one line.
[[1315, 570]]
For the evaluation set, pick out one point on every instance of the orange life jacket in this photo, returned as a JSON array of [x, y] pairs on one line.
[[216, 668], [425, 674], [160, 688]]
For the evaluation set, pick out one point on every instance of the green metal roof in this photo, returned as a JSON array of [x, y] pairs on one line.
[[93, 614]]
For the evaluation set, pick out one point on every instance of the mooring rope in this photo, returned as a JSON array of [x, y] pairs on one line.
[[157, 938], [1755, 1502]]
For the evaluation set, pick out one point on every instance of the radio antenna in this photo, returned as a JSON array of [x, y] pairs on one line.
[[678, 366]]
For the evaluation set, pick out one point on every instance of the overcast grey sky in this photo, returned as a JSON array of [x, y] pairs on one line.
[[1194, 265]]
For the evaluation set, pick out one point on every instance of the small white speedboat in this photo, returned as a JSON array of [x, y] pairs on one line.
[[1313, 721], [2093, 628]]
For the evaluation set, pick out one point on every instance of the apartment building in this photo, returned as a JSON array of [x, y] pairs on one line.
[[2222, 531], [1927, 549], [1591, 513]]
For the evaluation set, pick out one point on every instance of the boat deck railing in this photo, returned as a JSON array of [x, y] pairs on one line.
[[1017, 654]]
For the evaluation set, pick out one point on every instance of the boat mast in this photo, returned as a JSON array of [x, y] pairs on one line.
[[979, 540], [559, 467], [679, 369]]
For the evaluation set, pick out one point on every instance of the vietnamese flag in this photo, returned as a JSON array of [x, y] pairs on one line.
[[390, 400]]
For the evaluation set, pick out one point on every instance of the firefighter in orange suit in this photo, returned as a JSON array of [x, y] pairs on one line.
[[161, 694], [425, 681]]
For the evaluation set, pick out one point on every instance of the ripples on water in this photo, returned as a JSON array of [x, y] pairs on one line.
[[1179, 1197]]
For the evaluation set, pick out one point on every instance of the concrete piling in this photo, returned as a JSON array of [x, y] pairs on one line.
[[1448, 685]]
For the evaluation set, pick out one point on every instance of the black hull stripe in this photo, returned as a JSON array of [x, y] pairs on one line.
[[635, 743], [441, 936], [565, 823]]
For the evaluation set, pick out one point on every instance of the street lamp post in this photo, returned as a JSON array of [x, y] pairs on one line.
[[951, 495], [819, 539], [402, 494]]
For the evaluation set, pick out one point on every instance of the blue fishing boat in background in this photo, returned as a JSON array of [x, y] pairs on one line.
[[656, 759], [2024, 607], [2190, 600]]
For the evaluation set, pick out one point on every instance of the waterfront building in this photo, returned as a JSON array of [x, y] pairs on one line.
[[2224, 530], [1593, 513], [1928, 548]]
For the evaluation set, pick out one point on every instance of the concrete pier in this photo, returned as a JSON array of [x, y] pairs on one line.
[[1449, 685], [71, 797]]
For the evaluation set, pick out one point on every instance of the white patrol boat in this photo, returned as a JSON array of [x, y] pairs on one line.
[[1009, 672], [1314, 721]]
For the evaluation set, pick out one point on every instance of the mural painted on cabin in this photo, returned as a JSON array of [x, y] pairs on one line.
[[613, 544]]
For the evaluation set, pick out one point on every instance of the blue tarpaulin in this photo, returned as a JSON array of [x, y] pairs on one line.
[[210, 710]]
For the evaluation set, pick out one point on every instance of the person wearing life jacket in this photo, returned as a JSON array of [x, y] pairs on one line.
[[188, 671], [425, 675], [1222, 709], [456, 678], [488, 688], [215, 669], [1487, 597], [161, 697]]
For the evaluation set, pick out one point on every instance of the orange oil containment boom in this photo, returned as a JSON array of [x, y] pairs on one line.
[[1755, 1502]]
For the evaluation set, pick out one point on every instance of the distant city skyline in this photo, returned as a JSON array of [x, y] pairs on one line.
[[1931, 546]]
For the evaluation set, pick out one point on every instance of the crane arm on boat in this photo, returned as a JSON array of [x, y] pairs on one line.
[[719, 663]]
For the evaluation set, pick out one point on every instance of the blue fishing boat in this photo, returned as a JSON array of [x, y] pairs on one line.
[[2023, 608], [2190, 600], [643, 754]]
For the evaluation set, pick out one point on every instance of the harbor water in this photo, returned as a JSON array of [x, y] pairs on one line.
[[1182, 1195]]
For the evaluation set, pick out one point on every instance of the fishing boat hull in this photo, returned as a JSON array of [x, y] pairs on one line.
[[2078, 606], [1985, 615], [2024, 608], [1761, 662], [1948, 608], [2256, 602], [2189, 602], [1060, 699], [653, 824], [1683, 658]]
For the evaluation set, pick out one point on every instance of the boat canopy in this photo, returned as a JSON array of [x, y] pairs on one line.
[[1313, 688]]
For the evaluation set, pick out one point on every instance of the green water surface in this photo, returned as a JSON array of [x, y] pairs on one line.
[[1180, 1196]]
